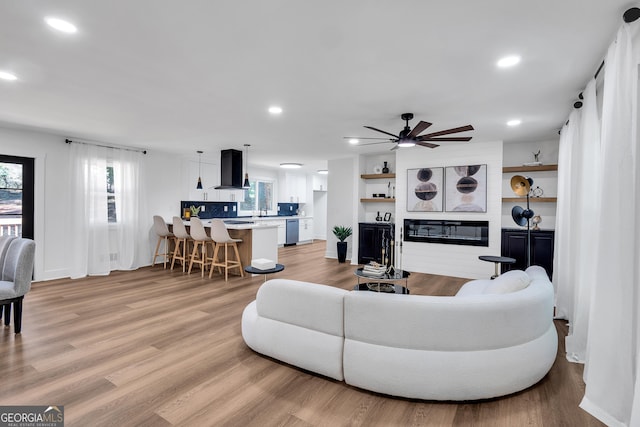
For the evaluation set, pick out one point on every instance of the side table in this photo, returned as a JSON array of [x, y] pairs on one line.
[[252, 270], [497, 260]]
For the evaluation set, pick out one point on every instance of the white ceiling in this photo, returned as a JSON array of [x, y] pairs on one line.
[[182, 76]]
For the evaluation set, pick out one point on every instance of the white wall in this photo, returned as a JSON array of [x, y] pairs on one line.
[[452, 260], [516, 154], [341, 202]]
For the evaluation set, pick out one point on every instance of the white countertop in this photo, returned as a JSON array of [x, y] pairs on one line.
[[207, 223]]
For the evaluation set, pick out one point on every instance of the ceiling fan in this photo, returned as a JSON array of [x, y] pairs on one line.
[[409, 137]]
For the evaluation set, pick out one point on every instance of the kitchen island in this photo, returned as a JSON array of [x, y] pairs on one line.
[[258, 240]]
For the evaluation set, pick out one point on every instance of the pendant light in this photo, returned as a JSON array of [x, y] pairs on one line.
[[246, 183], [199, 185]]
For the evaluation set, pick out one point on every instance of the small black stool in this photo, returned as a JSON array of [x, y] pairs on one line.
[[497, 260]]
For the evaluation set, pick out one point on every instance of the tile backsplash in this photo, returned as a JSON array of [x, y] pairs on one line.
[[287, 209], [210, 210]]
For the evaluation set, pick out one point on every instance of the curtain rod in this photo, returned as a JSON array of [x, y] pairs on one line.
[[629, 16], [138, 150]]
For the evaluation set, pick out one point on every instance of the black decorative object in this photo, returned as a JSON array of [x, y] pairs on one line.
[[521, 186], [199, 184], [385, 168]]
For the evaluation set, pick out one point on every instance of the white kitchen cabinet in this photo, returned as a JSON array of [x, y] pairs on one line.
[[292, 188], [209, 175], [305, 230], [319, 182]]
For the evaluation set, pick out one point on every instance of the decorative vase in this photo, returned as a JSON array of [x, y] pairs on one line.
[[342, 251], [385, 168]]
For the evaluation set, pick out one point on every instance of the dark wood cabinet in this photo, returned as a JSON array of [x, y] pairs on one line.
[[514, 245], [372, 238]]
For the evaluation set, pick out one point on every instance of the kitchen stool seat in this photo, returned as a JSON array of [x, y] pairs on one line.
[[164, 235], [221, 236], [182, 239], [200, 243]]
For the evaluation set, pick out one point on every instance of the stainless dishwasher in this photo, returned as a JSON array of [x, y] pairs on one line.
[[292, 232]]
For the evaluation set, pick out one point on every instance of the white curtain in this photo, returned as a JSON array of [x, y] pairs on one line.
[[564, 273], [98, 246], [612, 359], [577, 215]]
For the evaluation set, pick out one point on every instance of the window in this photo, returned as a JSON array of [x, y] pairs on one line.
[[258, 197], [11, 198], [111, 196], [16, 196]]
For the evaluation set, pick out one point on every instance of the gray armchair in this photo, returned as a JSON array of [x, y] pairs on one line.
[[15, 282]]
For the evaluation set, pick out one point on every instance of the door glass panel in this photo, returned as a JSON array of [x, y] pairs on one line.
[[11, 199]]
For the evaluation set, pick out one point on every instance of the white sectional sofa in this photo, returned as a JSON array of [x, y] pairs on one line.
[[495, 337]]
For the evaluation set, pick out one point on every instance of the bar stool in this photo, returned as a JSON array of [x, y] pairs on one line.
[[200, 240], [161, 229], [221, 236], [182, 238]]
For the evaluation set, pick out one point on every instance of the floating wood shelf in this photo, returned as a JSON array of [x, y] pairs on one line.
[[540, 168], [378, 175], [531, 199], [378, 200]]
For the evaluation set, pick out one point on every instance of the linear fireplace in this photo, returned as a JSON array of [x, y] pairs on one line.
[[472, 233]]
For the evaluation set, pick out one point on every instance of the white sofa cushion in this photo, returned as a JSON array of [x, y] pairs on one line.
[[309, 305], [511, 281], [299, 323]]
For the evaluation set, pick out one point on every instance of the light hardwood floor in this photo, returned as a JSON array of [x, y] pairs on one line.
[[155, 347]]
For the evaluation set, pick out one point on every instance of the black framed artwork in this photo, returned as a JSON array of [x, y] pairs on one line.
[[425, 190], [466, 188]]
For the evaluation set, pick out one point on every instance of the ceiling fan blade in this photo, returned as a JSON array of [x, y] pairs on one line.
[[420, 127], [448, 138], [426, 144], [382, 131], [359, 137], [374, 143], [449, 131], [395, 147]]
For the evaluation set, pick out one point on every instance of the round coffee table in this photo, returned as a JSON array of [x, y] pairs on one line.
[[252, 270], [497, 260], [383, 283]]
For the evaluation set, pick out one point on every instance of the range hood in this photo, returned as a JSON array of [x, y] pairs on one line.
[[230, 170]]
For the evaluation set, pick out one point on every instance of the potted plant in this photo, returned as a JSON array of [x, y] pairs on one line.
[[341, 234]]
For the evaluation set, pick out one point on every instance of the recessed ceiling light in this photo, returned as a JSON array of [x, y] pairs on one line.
[[508, 61], [323, 172], [275, 110], [514, 122], [291, 165], [4, 75], [61, 25], [354, 141]]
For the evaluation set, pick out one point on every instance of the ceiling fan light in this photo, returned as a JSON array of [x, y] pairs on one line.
[[406, 144], [61, 25], [354, 141], [508, 61], [5, 75]]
